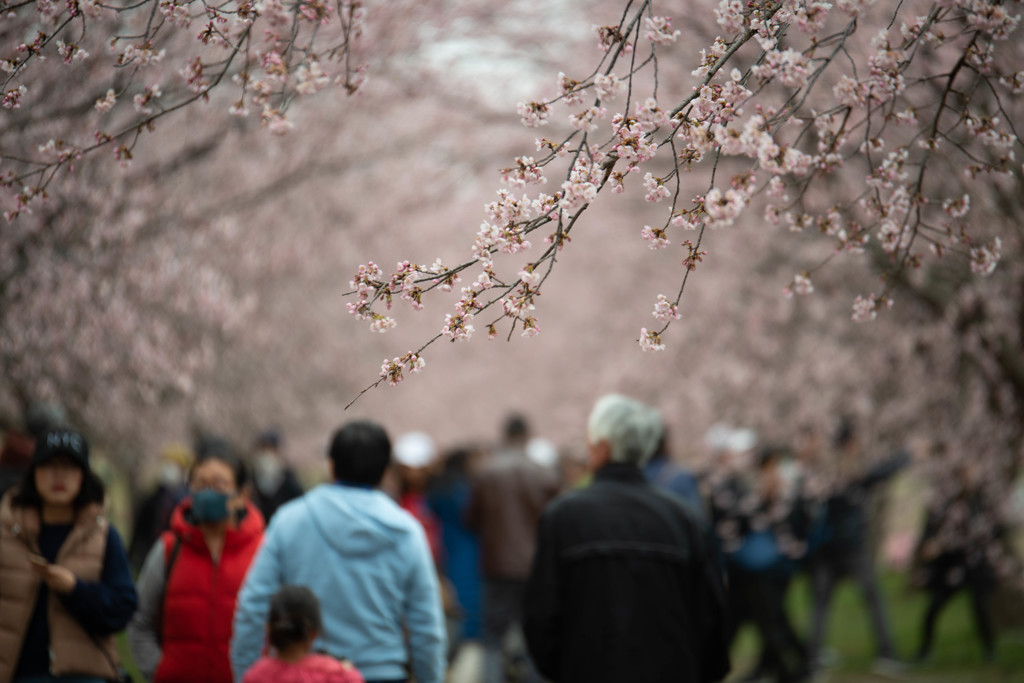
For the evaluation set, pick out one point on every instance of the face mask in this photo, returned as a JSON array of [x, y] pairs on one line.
[[268, 472], [209, 506], [171, 475]]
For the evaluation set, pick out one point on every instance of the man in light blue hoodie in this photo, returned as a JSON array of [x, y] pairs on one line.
[[368, 563]]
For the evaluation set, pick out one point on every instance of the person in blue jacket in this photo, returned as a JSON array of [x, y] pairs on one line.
[[366, 560]]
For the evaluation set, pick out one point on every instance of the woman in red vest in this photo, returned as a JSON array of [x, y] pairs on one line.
[[190, 579]]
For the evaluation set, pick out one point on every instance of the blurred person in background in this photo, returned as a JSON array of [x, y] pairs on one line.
[[19, 444], [65, 582], [507, 495], [768, 541], [448, 498], [191, 577], [415, 455], [844, 551], [274, 480], [572, 466], [153, 514], [666, 474], [963, 533]]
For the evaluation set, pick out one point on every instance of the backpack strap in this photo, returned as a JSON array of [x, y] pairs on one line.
[[172, 546]]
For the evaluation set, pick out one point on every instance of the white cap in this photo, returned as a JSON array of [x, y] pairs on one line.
[[542, 452], [741, 440], [414, 449], [717, 437]]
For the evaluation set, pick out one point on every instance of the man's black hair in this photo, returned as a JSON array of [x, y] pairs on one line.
[[361, 453], [516, 428]]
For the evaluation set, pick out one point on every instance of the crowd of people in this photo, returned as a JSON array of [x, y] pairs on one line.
[[611, 560]]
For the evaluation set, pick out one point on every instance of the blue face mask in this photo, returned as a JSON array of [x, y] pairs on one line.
[[209, 505]]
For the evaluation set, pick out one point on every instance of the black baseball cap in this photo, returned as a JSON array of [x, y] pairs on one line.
[[62, 442]]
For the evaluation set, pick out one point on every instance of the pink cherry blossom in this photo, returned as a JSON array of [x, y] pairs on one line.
[[724, 207], [985, 258], [664, 310], [572, 92], [533, 114], [655, 187], [730, 17], [659, 31], [866, 309], [650, 341], [655, 236], [610, 86]]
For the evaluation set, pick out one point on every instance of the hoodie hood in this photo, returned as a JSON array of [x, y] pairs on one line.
[[355, 521]]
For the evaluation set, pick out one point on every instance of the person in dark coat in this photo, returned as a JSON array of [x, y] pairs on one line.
[[769, 538], [961, 530], [623, 586], [844, 551], [153, 515], [274, 481], [507, 494]]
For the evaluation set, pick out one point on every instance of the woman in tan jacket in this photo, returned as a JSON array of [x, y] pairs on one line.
[[65, 582]]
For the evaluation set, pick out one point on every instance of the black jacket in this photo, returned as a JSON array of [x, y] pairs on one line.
[[623, 589], [846, 516]]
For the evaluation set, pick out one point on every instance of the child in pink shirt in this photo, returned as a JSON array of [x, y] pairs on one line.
[[292, 627]]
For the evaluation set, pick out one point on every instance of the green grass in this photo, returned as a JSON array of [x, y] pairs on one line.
[[125, 653], [956, 654]]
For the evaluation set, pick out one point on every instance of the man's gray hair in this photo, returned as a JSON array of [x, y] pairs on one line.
[[631, 428]]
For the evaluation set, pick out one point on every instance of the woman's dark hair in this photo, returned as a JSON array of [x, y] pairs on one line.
[[27, 495], [294, 616], [361, 452], [215, 448]]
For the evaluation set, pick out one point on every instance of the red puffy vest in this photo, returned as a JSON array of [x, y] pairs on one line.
[[199, 602]]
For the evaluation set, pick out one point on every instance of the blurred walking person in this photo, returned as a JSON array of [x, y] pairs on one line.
[[770, 532], [661, 471], [844, 551], [274, 480], [507, 496], [448, 498], [962, 531], [415, 453], [65, 582], [623, 586], [192, 575], [153, 515]]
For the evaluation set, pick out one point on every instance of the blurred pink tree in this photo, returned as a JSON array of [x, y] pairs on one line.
[[876, 136]]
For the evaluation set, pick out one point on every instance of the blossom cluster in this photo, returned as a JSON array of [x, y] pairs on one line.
[[792, 119], [272, 50]]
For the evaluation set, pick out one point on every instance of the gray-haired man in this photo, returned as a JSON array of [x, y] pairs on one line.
[[623, 584]]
